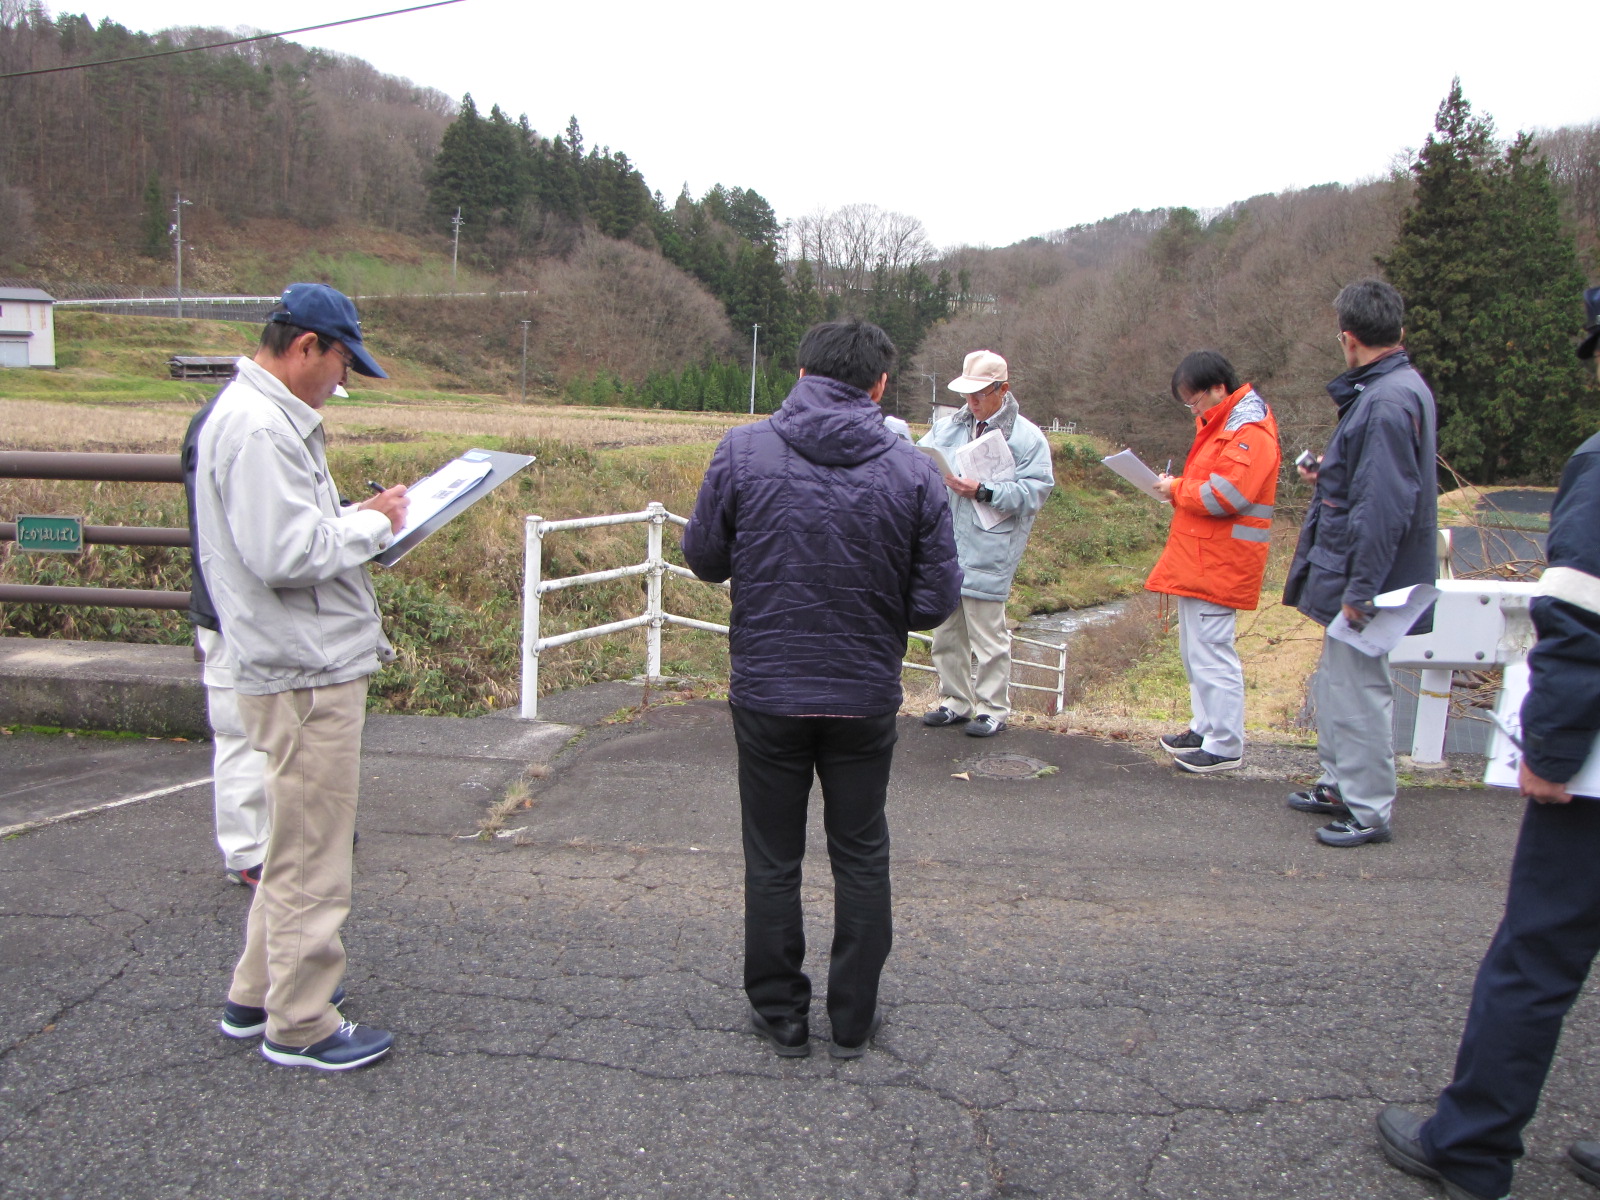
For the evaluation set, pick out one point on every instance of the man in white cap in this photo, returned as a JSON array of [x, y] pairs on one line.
[[992, 518]]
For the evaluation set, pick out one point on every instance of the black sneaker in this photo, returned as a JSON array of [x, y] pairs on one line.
[[247, 1021], [350, 1046], [1319, 798], [839, 1050], [1177, 743], [245, 876], [984, 726], [1351, 832], [1203, 762], [943, 716]]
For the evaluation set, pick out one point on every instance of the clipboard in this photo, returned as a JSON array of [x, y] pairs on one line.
[[502, 466]]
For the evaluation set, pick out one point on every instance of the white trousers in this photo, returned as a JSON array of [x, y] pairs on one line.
[[1354, 696], [238, 791], [976, 630], [1216, 677]]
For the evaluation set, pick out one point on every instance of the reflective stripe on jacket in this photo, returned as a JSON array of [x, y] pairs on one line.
[[1222, 506]]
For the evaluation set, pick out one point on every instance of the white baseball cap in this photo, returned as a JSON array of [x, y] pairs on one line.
[[981, 369]]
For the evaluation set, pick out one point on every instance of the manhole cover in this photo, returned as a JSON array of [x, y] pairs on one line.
[[1008, 766], [687, 716]]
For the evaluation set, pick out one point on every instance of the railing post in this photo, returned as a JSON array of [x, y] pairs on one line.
[[1061, 679], [1433, 710], [533, 566], [658, 518]]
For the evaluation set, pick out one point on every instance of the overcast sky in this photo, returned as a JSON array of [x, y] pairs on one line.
[[990, 122]]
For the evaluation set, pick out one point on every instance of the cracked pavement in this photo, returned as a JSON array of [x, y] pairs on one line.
[[1113, 982]]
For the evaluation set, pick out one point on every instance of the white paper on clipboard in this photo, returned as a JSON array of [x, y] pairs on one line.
[[1128, 464], [989, 459], [433, 495], [1397, 613], [1505, 756]]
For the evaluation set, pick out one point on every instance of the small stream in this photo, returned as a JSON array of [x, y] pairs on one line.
[[1061, 626]]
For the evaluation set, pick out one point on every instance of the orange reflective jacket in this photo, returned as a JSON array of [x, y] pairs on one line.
[[1222, 506]]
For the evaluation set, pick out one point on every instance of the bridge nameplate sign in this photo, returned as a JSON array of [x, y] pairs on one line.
[[50, 535]]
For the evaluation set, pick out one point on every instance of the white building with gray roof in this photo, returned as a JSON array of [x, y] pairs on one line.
[[27, 328]]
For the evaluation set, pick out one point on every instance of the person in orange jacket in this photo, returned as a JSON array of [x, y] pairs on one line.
[[1216, 553]]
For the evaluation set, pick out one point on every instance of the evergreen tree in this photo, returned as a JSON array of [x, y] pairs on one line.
[[1492, 285], [153, 241]]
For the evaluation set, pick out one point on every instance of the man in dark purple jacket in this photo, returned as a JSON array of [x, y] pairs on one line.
[[836, 536]]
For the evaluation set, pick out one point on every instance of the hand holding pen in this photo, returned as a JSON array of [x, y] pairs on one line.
[[391, 502]]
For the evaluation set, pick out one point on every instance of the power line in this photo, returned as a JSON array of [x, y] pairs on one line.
[[262, 37]]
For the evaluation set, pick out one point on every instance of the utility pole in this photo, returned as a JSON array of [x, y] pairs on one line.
[[455, 250], [755, 340], [933, 392], [177, 243], [525, 325]]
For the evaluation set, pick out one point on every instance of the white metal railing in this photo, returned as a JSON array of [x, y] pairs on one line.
[[654, 616], [1059, 667]]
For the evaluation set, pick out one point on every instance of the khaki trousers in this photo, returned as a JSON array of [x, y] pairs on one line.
[[293, 958], [975, 630]]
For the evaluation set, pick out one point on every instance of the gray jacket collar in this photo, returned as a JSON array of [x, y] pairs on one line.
[[301, 415], [1003, 419]]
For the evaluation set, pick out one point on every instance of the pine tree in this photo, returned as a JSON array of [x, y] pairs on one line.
[[153, 241], [1492, 285]]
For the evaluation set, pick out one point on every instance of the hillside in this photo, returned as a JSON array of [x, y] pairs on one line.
[[293, 163]]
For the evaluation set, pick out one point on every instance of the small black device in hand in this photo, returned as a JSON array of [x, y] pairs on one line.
[[1307, 461]]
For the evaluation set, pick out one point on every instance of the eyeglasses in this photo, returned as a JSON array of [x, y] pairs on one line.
[[345, 356], [1341, 337]]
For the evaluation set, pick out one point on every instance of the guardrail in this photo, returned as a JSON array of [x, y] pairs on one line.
[[1059, 667], [654, 569], [97, 468]]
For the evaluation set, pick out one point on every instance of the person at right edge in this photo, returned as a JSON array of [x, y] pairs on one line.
[[1216, 553], [1550, 932], [1370, 528]]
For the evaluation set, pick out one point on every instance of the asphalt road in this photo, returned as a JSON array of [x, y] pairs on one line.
[[1108, 982]]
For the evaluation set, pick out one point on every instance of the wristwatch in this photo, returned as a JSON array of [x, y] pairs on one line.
[[984, 494]]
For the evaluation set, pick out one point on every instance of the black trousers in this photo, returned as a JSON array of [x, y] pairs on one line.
[[1532, 973], [851, 757]]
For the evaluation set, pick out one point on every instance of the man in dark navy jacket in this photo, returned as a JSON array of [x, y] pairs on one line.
[[836, 536], [1550, 932], [1371, 528]]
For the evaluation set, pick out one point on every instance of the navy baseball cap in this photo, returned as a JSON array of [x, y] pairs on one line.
[[1591, 330], [328, 311]]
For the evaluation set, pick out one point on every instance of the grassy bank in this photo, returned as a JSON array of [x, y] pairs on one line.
[[453, 607]]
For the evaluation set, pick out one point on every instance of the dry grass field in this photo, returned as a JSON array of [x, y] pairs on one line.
[[157, 427]]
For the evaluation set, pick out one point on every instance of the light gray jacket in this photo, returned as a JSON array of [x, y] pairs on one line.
[[989, 557], [284, 562]]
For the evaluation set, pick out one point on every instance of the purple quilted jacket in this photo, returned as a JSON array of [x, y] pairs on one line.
[[836, 535]]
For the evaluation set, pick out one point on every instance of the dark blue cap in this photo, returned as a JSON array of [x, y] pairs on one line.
[[1591, 330], [328, 311]]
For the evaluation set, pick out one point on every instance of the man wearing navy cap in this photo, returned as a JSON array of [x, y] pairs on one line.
[[1550, 932], [284, 561]]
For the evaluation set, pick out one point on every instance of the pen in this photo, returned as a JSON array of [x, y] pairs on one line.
[[1169, 466], [376, 486]]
